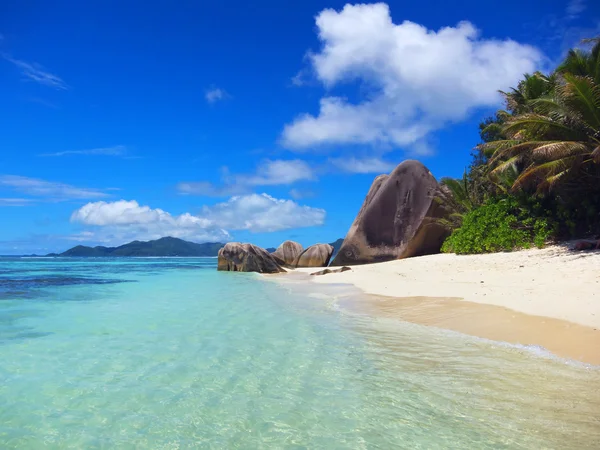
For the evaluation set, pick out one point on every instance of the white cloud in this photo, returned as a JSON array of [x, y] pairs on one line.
[[119, 221], [37, 73], [213, 95], [366, 165], [121, 212], [15, 201], [277, 172], [419, 80], [262, 213], [123, 220], [49, 189], [268, 173], [208, 189], [117, 150]]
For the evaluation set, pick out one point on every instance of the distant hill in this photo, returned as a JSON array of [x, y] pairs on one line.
[[167, 246], [336, 245]]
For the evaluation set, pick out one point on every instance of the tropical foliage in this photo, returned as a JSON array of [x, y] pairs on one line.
[[539, 161]]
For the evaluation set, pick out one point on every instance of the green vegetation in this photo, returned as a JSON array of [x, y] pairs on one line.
[[495, 226], [536, 175]]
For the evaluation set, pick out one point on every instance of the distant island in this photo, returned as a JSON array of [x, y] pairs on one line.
[[166, 246]]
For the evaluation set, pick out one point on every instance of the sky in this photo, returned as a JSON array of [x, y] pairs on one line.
[[245, 121]]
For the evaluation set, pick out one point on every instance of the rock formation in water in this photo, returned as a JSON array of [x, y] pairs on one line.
[[317, 255], [398, 219], [237, 257], [287, 253]]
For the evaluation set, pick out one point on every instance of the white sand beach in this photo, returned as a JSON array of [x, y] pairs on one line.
[[557, 292], [552, 282]]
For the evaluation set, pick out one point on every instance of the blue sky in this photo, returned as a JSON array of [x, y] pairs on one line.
[[253, 121]]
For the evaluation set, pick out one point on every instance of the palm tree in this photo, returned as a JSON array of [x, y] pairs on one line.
[[582, 63], [457, 197], [530, 88], [556, 137]]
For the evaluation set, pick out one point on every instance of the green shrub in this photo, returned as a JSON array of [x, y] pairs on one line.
[[498, 225]]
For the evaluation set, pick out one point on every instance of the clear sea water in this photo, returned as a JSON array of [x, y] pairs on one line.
[[171, 354]]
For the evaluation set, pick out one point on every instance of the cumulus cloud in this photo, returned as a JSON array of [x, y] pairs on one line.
[[35, 72], [262, 213], [215, 94], [268, 173], [117, 150], [49, 190], [366, 165], [121, 220], [126, 220], [418, 80]]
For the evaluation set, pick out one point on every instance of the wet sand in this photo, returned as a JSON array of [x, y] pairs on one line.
[[548, 298], [562, 338]]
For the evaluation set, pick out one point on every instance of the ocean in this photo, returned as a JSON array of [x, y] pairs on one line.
[[168, 353]]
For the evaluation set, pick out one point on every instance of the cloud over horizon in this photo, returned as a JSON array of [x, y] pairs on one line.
[[123, 220], [418, 80]]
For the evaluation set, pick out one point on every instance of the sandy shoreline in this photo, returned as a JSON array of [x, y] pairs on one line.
[[548, 297]]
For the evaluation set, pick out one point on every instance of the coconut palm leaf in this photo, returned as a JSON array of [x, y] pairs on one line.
[[559, 149], [536, 125], [583, 95], [510, 151], [546, 172], [506, 166]]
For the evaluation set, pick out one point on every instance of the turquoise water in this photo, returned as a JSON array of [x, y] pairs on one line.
[[169, 353]]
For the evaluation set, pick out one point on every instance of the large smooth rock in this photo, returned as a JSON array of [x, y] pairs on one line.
[[317, 255], [237, 257], [398, 219], [287, 253]]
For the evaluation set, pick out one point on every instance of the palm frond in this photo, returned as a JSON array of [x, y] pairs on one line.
[[505, 166], [512, 150], [544, 171], [490, 148], [559, 149], [536, 125], [584, 95]]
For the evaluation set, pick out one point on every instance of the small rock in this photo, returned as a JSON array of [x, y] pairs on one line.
[[328, 271]]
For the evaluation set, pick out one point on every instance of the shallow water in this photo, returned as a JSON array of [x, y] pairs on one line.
[[169, 353]]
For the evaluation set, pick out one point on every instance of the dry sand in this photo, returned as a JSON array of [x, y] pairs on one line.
[[548, 297]]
